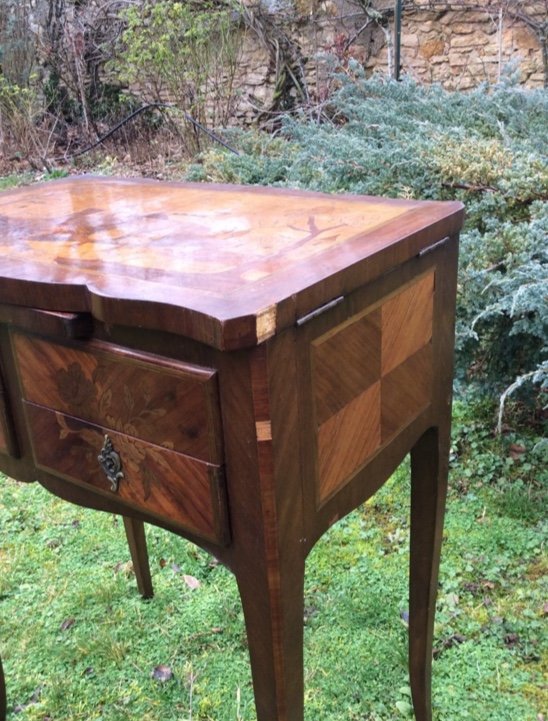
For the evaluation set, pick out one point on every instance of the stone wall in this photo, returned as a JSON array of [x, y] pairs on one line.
[[459, 44], [462, 48]]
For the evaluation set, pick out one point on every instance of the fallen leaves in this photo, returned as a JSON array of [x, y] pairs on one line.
[[476, 587], [125, 568], [32, 701], [516, 450], [191, 582], [454, 640], [162, 673], [511, 639]]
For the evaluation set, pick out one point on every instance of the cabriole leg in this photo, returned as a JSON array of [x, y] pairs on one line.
[[273, 609], [428, 491], [135, 532], [2, 694]]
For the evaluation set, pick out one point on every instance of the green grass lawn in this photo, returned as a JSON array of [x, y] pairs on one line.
[[78, 642]]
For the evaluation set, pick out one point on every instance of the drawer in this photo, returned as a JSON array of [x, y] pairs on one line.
[[169, 404], [156, 480]]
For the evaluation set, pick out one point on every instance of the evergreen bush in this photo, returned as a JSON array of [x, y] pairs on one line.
[[484, 148]]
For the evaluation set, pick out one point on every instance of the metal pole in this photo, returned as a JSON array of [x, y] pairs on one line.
[[397, 39]]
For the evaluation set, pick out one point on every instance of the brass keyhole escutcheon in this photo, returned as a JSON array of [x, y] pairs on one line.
[[111, 464]]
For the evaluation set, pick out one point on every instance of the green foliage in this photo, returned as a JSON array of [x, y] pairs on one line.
[[21, 113], [485, 148], [503, 311], [15, 180], [183, 52]]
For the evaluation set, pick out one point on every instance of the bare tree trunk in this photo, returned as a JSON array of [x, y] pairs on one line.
[[55, 22], [501, 24]]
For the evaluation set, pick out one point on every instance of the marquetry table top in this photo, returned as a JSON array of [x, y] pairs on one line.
[[229, 266]]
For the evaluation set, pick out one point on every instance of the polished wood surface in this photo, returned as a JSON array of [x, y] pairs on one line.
[[223, 265], [136, 538], [372, 375], [298, 346], [157, 480], [406, 322], [63, 325], [171, 405], [7, 444]]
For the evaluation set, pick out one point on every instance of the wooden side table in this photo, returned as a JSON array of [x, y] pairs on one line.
[[240, 366]]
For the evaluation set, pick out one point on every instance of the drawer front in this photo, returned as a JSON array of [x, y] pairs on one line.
[[165, 403], [155, 480]]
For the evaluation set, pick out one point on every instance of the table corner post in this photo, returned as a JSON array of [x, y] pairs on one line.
[[429, 470]]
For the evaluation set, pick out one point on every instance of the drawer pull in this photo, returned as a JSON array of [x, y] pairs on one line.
[[111, 464]]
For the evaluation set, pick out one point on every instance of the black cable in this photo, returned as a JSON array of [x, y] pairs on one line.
[[132, 115]]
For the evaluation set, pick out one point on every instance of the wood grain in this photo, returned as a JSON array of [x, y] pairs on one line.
[[197, 292], [7, 436], [56, 324], [270, 572], [4, 447], [345, 362], [347, 439], [407, 322], [136, 540], [172, 405], [261, 408], [162, 482], [429, 472], [223, 265], [406, 391], [371, 375]]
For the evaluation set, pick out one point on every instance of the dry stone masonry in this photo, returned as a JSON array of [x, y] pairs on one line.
[[459, 44]]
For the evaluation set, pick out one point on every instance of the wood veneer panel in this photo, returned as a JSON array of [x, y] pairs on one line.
[[407, 322], [345, 363], [156, 480], [347, 439], [371, 376], [406, 391], [6, 431], [4, 447], [170, 405]]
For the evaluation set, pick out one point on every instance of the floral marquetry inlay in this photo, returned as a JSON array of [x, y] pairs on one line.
[[143, 427], [156, 480], [175, 407], [131, 410], [225, 265]]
